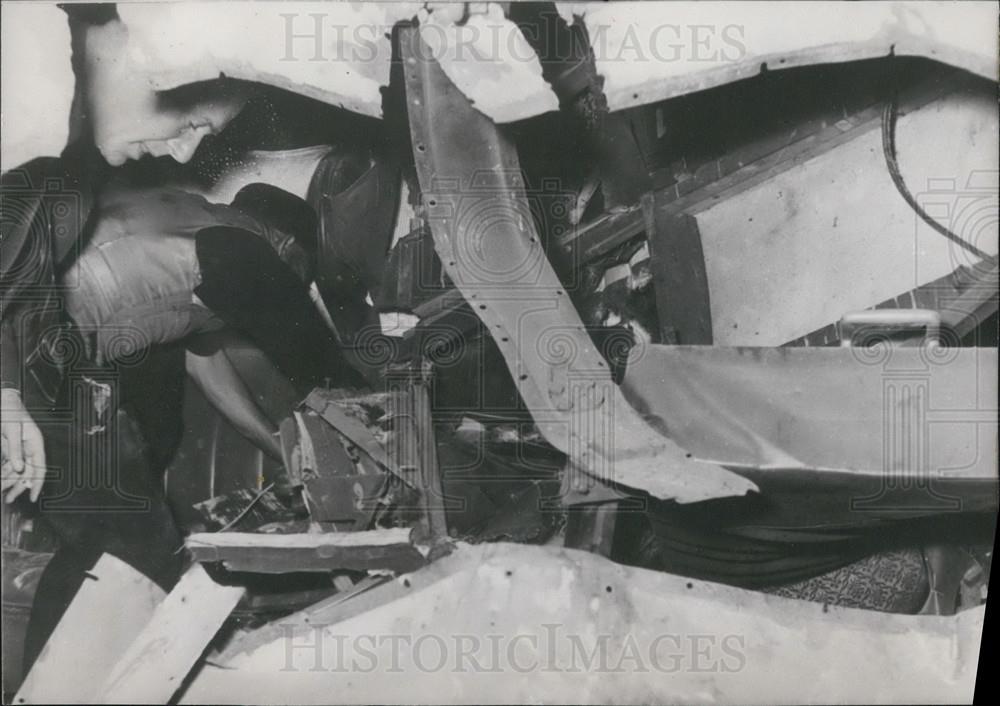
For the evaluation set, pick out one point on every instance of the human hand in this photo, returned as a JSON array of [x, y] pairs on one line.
[[23, 449]]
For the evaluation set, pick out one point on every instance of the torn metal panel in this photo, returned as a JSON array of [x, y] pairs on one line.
[[339, 52], [485, 236], [551, 608], [336, 52], [650, 52], [490, 61], [646, 52], [385, 549], [903, 414]]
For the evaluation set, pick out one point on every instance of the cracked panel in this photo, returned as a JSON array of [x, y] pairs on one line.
[[490, 61], [335, 52], [649, 52]]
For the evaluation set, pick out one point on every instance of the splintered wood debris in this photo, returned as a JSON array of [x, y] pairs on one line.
[[382, 549]]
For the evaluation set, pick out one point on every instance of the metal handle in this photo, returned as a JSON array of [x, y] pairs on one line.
[[927, 319]]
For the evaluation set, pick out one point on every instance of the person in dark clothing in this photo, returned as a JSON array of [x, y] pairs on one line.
[[135, 283]]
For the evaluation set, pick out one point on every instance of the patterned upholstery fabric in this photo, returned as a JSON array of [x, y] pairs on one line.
[[893, 581]]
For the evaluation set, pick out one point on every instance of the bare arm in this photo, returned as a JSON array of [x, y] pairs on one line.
[[213, 372]]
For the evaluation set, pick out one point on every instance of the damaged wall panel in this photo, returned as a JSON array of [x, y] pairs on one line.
[[490, 61], [339, 52], [785, 257], [335, 52], [653, 638], [650, 51], [873, 419]]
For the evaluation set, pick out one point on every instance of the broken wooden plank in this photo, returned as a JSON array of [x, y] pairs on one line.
[[589, 241], [413, 448], [112, 606], [431, 491], [384, 549], [155, 664], [355, 432]]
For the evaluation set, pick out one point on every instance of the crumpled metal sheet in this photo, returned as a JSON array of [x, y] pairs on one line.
[[335, 52], [907, 413], [645, 51], [652, 51], [530, 617], [491, 62], [178, 43], [477, 210]]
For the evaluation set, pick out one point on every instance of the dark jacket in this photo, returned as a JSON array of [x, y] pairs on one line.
[[46, 207]]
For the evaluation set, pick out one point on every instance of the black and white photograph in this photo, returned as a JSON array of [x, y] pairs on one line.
[[498, 352]]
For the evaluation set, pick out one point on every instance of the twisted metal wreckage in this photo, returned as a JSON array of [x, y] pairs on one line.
[[731, 415]]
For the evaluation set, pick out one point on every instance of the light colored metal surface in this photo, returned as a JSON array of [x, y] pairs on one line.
[[829, 234], [552, 625], [336, 52], [645, 51], [485, 236], [339, 52], [651, 51], [916, 414]]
